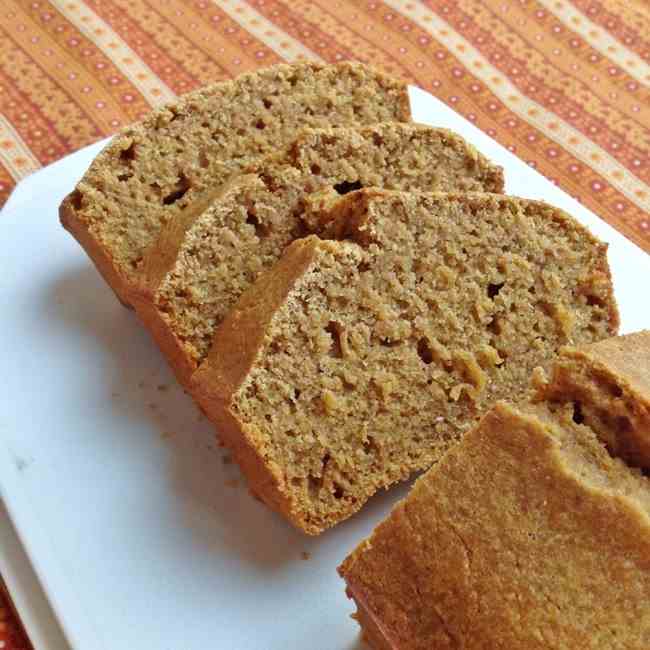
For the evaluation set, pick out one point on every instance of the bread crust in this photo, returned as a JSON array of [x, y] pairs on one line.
[[95, 250], [237, 342], [143, 294], [610, 383], [526, 536]]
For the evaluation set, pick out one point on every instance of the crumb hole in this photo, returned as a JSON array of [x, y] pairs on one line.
[[260, 125], [300, 230], [124, 177], [338, 491], [595, 301], [377, 139], [182, 186], [546, 307], [315, 483], [578, 418], [315, 169], [269, 182], [76, 199], [363, 267], [334, 330], [424, 351], [128, 155], [267, 103], [346, 186], [494, 326], [370, 446], [493, 290], [261, 231]]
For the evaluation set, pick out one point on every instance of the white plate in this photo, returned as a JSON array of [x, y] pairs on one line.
[[116, 488]]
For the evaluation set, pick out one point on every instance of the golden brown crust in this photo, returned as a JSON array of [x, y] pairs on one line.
[[526, 536], [374, 634], [610, 383], [143, 295], [264, 480], [625, 358], [95, 250], [238, 340]]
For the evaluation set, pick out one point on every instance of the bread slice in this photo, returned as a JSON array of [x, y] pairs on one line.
[[353, 364], [203, 263], [527, 536], [609, 385], [150, 173]]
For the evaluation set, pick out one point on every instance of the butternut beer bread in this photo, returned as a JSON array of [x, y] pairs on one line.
[[153, 171], [609, 382], [352, 364], [527, 535], [205, 260]]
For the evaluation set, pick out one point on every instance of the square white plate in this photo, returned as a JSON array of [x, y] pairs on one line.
[[138, 531]]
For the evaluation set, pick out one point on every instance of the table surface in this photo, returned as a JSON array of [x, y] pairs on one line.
[[564, 85]]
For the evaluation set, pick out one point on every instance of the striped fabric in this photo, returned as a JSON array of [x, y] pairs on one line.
[[563, 84]]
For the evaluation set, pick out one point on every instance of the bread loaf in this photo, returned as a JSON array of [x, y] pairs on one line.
[[152, 172], [199, 267], [352, 364], [527, 535]]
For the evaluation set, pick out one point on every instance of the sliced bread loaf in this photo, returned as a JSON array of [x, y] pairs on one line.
[[352, 364], [609, 385], [527, 536], [203, 262], [150, 173]]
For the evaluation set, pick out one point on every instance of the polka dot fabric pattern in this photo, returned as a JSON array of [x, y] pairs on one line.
[[565, 85]]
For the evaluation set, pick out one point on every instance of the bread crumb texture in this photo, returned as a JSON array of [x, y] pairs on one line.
[[377, 353], [150, 173], [283, 198]]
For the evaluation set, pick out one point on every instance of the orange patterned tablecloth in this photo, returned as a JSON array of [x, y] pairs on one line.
[[564, 85]]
